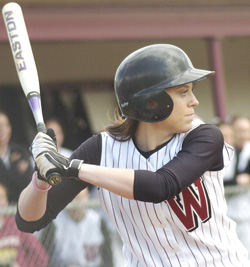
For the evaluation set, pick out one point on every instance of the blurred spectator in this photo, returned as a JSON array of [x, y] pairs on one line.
[[241, 127], [18, 249], [228, 132], [229, 137], [15, 161], [56, 125], [237, 135], [81, 238]]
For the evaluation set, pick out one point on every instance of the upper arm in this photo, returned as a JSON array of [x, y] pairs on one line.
[[201, 151]]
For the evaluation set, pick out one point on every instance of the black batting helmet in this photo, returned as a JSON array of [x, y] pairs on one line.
[[143, 76]]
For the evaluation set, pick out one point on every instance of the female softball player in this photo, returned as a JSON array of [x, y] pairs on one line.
[[158, 168]]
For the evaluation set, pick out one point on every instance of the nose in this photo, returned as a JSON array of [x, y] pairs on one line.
[[193, 101]]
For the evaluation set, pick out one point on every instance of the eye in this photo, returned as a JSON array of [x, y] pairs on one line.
[[184, 92]]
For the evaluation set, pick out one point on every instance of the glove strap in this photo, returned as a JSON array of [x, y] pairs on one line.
[[74, 168]]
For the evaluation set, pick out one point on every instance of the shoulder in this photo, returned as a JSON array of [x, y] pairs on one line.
[[206, 141], [208, 129], [199, 125], [206, 134]]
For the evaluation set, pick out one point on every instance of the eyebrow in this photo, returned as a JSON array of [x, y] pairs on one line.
[[181, 86]]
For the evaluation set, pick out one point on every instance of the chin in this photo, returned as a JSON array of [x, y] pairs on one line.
[[186, 128]]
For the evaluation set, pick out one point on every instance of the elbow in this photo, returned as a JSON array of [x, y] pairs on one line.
[[26, 226], [155, 187], [153, 194]]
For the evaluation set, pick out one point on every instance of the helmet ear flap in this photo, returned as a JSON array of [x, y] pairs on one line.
[[150, 107]]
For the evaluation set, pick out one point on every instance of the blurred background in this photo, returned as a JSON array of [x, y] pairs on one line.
[[78, 45]]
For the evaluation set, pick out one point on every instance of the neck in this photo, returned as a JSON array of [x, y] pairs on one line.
[[149, 136]]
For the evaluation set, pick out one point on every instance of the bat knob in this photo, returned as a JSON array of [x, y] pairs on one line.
[[54, 178]]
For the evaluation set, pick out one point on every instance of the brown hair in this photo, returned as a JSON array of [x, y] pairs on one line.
[[121, 128]]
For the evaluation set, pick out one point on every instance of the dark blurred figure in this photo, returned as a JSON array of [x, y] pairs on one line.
[[15, 161]]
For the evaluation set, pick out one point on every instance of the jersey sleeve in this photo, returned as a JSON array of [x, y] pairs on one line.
[[90, 150], [61, 195], [202, 151]]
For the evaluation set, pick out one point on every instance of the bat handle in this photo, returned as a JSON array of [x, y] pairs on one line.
[[53, 178], [41, 127]]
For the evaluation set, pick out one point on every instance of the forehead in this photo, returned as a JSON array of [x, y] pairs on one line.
[[179, 87]]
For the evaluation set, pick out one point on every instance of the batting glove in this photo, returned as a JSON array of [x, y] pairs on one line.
[[51, 161], [43, 142]]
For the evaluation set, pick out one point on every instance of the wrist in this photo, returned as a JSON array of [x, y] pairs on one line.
[[74, 168], [40, 186]]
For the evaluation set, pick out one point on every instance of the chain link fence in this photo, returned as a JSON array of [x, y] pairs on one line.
[[82, 235]]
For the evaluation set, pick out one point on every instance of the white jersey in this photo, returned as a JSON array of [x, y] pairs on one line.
[[191, 229], [78, 243]]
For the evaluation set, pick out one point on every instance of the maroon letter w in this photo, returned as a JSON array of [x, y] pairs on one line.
[[191, 203]]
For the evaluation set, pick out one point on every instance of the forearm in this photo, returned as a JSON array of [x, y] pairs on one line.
[[118, 181], [32, 203]]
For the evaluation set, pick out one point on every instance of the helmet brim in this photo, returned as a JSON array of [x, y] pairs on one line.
[[191, 75]]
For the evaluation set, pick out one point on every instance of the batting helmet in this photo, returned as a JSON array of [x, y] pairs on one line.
[[143, 76]]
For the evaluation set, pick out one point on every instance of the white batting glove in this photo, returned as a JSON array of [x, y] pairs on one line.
[[41, 143]]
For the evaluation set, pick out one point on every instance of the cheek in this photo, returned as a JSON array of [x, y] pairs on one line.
[[177, 109]]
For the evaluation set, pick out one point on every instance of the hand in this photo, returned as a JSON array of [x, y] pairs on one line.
[[43, 142], [50, 161]]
